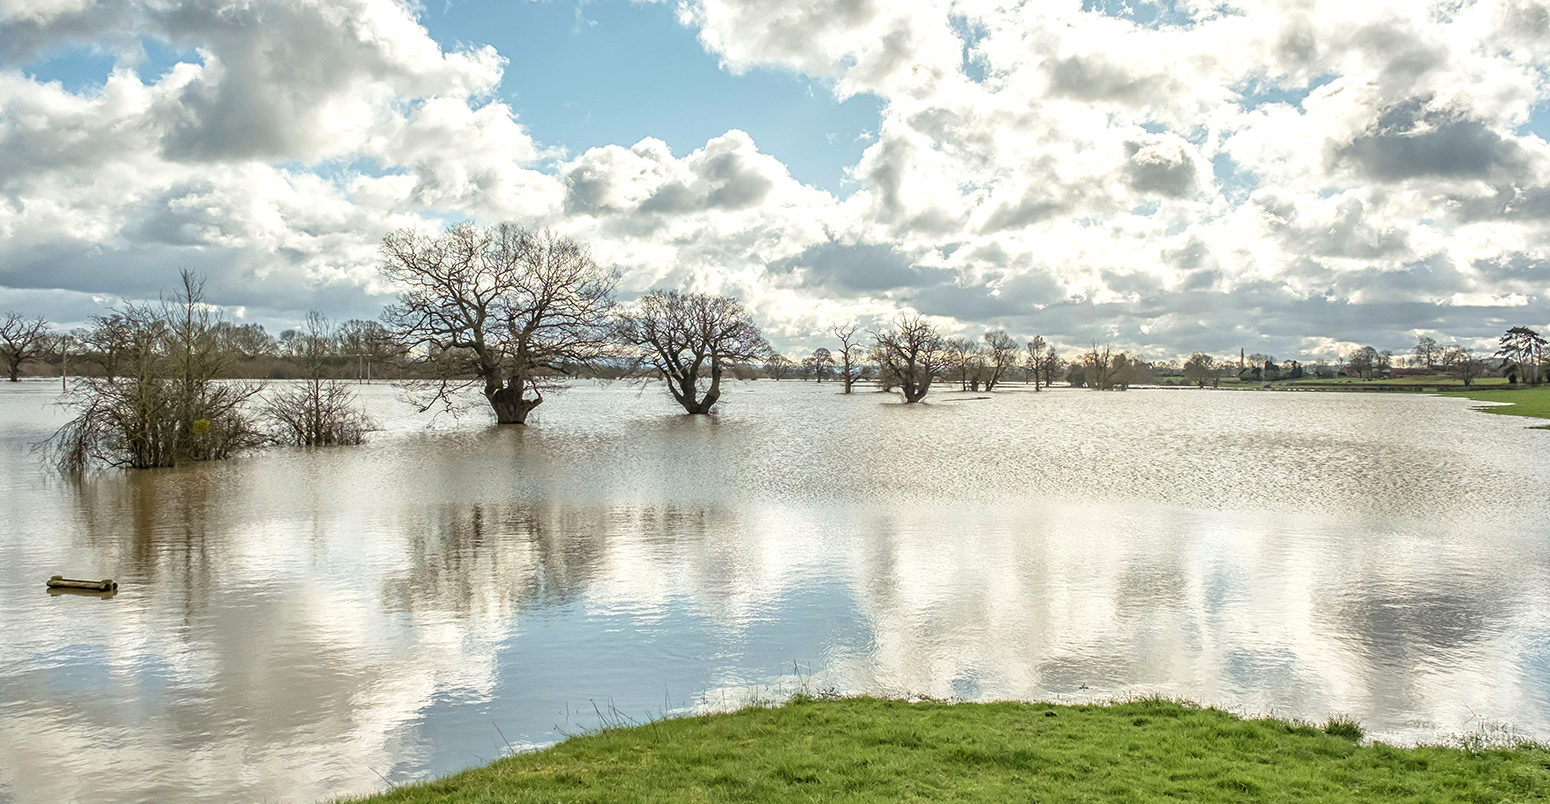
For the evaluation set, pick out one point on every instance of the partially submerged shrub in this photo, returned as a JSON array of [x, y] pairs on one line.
[[166, 405], [318, 412]]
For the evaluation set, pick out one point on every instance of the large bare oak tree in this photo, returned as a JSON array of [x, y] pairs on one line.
[[691, 340], [511, 308], [912, 354]]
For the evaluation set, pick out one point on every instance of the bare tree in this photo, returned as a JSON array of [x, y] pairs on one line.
[[690, 340], [819, 364], [107, 340], [1035, 361], [778, 367], [1053, 366], [1102, 370], [369, 343], [512, 308], [21, 339], [1363, 362], [316, 412], [1427, 351], [166, 406], [960, 354], [887, 380], [1458, 360], [1000, 355], [851, 353], [911, 353]]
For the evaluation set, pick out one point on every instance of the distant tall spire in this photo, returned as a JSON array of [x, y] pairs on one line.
[[1240, 358]]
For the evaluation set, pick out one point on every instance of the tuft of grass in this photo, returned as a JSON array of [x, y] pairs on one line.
[[870, 749], [1344, 726]]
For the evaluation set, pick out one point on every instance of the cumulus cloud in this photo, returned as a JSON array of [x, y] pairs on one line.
[[1259, 169]]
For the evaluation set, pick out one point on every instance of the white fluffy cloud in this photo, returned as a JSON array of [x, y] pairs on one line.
[[1175, 175]]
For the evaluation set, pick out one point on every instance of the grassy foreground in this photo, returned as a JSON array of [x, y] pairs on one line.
[[866, 749], [1533, 402]]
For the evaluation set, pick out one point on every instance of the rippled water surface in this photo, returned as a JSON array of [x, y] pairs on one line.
[[302, 624]]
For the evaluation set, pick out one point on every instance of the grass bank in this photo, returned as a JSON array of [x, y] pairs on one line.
[[1532, 402], [866, 749]]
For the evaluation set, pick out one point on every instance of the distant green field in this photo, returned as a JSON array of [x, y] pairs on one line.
[[1433, 379], [866, 749], [1534, 402]]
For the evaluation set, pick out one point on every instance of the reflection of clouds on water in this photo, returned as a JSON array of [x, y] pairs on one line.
[[293, 624]]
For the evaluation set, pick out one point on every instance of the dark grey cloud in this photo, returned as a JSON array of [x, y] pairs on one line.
[[1031, 208], [1414, 139], [1349, 232], [1507, 202], [1095, 78], [26, 38], [1161, 166], [859, 268]]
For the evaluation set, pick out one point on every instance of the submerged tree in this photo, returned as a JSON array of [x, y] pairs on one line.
[[851, 353], [318, 411], [691, 340], [819, 364], [999, 357], [21, 339], [1036, 357], [911, 354], [778, 367], [167, 404], [512, 308], [369, 343], [962, 359]]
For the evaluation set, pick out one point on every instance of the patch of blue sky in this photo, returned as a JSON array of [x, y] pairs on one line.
[[613, 73], [1538, 121], [1259, 92], [83, 69], [970, 34], [1148, 13], [1234, 182]]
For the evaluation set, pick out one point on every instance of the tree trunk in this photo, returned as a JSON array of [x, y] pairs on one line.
[[15, 367], [510, 407]]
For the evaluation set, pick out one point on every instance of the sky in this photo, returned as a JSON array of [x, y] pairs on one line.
[[1291, 177]]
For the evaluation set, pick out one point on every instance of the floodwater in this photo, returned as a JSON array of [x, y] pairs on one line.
[[301, 624]]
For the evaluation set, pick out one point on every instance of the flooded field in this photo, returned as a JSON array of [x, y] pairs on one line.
[[301, 624]]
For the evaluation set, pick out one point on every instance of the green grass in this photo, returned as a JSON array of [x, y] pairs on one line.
[[1533, 402], [866, 749], [1431, 379]]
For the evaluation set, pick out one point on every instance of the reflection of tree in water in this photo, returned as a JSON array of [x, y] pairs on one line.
[[154, 527], [486, 558], [472, 558]]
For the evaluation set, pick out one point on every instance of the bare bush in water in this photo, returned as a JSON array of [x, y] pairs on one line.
[[166, 404], [319, 411]]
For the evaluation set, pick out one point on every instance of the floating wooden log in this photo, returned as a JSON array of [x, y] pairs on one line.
[[100, 595], [61, 582]]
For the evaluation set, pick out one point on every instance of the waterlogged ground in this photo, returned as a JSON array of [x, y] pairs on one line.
[[303, 624]]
